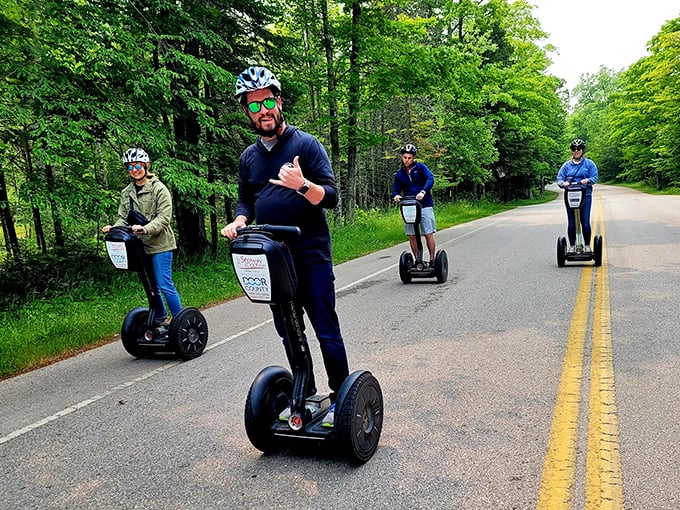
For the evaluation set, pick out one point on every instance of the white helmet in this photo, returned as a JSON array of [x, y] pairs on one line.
[[256, 78], [135, 154], [410, 148]]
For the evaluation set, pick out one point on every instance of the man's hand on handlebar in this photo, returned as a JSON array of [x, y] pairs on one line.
[[230, 230]]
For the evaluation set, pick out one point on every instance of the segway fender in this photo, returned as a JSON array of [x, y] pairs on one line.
[[134, 326], [132, 318], [346, 385], [262, 385]]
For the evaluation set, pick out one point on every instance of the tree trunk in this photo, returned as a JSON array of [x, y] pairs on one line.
[[332, 104], [187, 131], [39, 231], [37, 219], [59, 240], [352, 118], [8, 230], [212, 177]]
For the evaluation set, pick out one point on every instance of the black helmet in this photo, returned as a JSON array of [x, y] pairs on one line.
[[410, 148], [578, 145]]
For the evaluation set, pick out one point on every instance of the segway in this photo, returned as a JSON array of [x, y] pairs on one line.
[[411, 212], [574, 197], [265, 270], [187, 333]]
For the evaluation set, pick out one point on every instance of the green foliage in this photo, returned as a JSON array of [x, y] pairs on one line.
[[629, 119]]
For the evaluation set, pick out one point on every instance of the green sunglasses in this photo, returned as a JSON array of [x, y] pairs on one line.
[[269, 103]]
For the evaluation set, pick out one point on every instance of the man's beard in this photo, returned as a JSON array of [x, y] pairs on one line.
[[269, 132]]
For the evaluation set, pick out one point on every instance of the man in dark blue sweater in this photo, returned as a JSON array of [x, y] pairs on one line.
[[415, 179], [285, 178]]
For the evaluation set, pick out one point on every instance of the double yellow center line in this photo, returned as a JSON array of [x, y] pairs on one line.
[[604, 480]]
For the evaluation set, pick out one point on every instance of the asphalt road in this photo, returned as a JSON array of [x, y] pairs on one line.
[[472, 373]]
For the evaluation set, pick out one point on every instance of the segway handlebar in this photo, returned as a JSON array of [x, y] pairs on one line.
[[281, 232], [122, 228], [125, 228], [575, 185]]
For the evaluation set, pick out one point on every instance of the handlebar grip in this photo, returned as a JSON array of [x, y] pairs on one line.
[[278, 231]]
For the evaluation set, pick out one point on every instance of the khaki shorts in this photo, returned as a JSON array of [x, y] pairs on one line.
[[427, 223]]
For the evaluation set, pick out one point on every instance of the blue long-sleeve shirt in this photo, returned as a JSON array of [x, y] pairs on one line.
[[419, 179], [574, 172]]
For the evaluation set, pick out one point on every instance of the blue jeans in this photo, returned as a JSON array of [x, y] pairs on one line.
[[162, 270], [585, 221], [316, 296]]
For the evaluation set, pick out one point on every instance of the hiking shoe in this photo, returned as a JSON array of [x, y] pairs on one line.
[[330, 417], [285, 414]]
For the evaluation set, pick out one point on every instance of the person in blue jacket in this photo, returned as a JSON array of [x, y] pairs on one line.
[[286, 178], [415, 179], [579, 169]]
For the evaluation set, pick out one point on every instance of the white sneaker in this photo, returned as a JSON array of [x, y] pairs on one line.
[[285, 414], [329, 419], [587, 249]]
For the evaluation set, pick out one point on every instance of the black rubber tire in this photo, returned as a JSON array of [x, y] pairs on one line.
[[597, 251], [441, 266], [358, 423], [561, 251], [269, 394], [405, 265], [188, 333], [132, 332]]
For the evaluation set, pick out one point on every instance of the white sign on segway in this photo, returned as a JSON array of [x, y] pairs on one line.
[[574, 198], [118, 254], [252, 272]]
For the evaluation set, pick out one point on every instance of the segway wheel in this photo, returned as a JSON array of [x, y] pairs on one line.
[[132, 332], [270, 393], [441, 266], [188, 333], [561, 251], [405, 265], [597, 251], [359, 419]]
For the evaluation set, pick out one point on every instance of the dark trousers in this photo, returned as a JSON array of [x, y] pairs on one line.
[[316, 297]]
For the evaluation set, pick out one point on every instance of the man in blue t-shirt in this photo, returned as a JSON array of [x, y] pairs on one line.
[[582, 170], [285, 178], [415, 179]]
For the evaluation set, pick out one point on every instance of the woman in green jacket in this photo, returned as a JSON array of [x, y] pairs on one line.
[[146, 206]]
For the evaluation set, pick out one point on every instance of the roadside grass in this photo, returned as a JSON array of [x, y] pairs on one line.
[[647, 188], [44, 330]]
